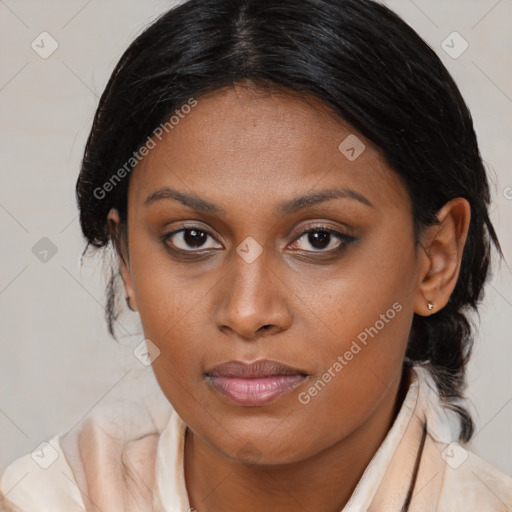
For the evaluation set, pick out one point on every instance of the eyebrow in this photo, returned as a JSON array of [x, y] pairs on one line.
[[286, 208]]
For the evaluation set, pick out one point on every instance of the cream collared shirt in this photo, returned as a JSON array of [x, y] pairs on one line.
[[128, 456]]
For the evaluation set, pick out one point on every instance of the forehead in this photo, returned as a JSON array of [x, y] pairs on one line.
[[262, 146]]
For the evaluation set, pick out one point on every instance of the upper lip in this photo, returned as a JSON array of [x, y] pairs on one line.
[[257, 369]]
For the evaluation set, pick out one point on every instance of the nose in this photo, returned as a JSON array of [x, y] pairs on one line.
[[252, 299]]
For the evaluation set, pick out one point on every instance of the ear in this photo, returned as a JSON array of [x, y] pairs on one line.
[[122, 257], [440, 256]]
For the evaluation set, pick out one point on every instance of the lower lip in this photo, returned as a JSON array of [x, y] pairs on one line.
[[257, 391]]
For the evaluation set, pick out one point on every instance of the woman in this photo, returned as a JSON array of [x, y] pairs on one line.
[[300, 214]]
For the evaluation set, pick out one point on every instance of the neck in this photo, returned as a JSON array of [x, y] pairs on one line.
[[323, 483]]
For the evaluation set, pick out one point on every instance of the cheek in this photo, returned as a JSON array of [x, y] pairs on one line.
[[366, 319], [169, 307], [161, 293], [373, 283], [360, 368]]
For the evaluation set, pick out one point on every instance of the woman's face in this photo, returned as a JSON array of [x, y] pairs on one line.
[[256, 210]]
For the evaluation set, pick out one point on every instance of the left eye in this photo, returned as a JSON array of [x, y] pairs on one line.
[[322, 240]]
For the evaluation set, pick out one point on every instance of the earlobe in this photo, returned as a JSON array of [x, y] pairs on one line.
[[113, 220], [440, 256]]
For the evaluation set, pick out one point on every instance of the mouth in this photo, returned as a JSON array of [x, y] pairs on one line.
[[256, 383]]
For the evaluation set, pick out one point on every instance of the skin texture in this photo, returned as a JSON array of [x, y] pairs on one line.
[[247, 151]]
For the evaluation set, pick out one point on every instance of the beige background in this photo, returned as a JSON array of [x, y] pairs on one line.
[[57, 360]]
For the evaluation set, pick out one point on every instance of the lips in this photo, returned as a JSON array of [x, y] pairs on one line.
[[254, 384]]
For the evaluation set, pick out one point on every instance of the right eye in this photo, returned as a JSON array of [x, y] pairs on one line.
[[192, 237]]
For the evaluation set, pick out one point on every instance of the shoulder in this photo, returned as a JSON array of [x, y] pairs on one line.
[[96, 466], [106, 459], [463, 479], [41, 480], [471, 483]]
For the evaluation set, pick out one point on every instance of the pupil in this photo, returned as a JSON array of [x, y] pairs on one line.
[[319, 239], [194, 238]]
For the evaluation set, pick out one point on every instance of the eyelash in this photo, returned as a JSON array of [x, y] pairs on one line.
[[342, 237]]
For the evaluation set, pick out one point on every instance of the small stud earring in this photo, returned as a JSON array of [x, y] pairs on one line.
[[430, 306]]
